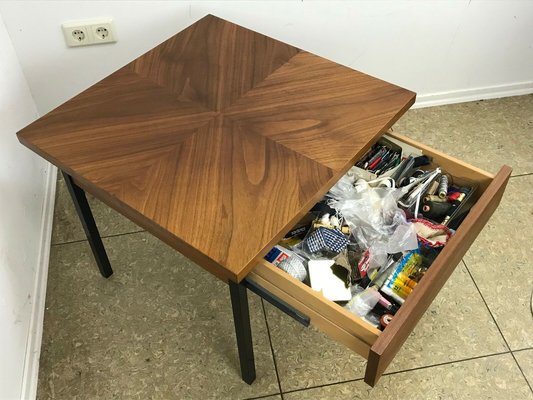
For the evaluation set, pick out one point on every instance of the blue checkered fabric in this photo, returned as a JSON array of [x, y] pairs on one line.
[[326, 239]]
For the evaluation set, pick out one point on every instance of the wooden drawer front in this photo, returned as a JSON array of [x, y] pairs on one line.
[[381, 347], [324, 314]]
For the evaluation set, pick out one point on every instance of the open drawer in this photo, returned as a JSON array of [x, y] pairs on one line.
[[378, 347]]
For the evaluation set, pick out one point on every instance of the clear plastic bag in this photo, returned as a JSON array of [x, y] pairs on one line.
[[363, 301], [375, 220]]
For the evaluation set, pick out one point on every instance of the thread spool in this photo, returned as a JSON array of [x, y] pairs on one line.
[[385, 320], [433, 188], [443, 187], [432, 198], [435, 210]]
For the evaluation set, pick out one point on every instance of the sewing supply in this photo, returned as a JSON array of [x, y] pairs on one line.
[[381, 274], [416, 188], [334, 221], [295, 267], [433, 188], [385, 303], [400, 289], [409, 266], [324, 220], [430, 234], [433, 198], [392, 295], [344, 229], [277, 255], [454, 204], [324, 239], [385, 320], [406, 280], [443, 187], [390, 164], [435, 210]]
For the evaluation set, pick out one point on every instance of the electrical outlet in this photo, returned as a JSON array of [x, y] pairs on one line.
[[103, 31], [75, 35], [89, 31]]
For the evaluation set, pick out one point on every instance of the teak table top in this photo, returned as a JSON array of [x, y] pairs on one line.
[[218, 140]]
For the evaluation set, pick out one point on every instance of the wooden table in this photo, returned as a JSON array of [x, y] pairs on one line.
[[216, 141]]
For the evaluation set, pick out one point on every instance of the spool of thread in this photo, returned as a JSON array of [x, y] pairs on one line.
[[455, 203], [443, 187], [385, 320], [434, 198], [433, 188], [435, 210]]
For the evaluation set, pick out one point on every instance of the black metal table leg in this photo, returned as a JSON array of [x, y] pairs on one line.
[[243, 330], [89, 226]]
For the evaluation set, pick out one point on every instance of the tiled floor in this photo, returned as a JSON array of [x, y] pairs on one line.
[[161, 327]]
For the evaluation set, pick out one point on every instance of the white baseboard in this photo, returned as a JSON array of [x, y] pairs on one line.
[[33, 344], [483, 93]]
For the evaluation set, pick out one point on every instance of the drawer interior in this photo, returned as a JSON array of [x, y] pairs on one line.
[[379, 347]]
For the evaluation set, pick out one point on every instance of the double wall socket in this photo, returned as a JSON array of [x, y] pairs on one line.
[[89, 31]]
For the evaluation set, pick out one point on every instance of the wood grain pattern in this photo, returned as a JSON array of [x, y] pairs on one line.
[[218, 140], [403, 323], [342, 326]]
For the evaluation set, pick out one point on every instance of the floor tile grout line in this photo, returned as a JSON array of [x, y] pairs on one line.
[[272, 348], [522, 371], [497, 326], [520, 367], [447, 363], [520, 175], [524, 349], [324, 385], [263, 396], [402, 371], [103, 237], [486, 305]]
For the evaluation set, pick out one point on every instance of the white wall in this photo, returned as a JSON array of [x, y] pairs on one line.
[[23, 249], [445, 51]]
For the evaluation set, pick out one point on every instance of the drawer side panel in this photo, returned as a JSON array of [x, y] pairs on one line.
[[390, 341]]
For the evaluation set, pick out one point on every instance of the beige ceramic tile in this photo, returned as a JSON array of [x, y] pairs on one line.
[[67, 226], [501, 262], [525, 360], [496, 378], [486, 134], [306, 357], [160, 327], [456, 326]]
